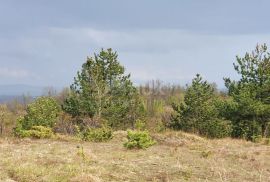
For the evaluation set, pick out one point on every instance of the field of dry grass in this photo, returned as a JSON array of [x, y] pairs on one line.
[[176, 157]]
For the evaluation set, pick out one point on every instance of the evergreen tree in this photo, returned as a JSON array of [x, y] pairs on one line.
[[102, 90], [251, 94], [198, 113]]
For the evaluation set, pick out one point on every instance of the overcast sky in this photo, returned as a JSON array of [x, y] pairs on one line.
[[45, 42]]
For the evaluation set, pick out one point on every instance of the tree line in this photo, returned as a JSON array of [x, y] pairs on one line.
[[103, 96]]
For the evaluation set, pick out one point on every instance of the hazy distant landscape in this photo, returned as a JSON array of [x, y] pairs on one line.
[[12, 92], [17, 90]]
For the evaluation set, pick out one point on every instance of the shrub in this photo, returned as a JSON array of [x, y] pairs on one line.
[[160, 126], [140, 125], [19, 129], [97, 134], [138, 140], [217, 128], [42, 112], [246, 129], [35, 132]]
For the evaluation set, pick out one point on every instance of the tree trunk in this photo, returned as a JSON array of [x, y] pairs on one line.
[[1, 129], [263, 129]]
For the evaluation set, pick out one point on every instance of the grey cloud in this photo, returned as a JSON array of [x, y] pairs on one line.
[[209, 16], [172, 40]]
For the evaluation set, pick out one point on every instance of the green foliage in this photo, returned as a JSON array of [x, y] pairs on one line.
[[198, 113], [216, 128], [246, 129], [35, 132], [78, 132], [160, 126], [157, 98], [140, 125], [158, 106], [41, 116], [97, 134], [196, 108], [251, 94], [102, 90], [138, 140], [18, 128], [42, 112]]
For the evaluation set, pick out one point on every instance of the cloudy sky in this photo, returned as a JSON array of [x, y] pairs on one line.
[[45, 42]]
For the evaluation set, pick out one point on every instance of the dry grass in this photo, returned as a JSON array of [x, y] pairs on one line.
[[177, 157]]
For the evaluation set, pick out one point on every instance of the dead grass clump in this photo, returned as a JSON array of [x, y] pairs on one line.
[[84, 177], [119, 136]]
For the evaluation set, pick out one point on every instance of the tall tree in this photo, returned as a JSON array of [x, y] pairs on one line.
[[251, 93], [103, 90]]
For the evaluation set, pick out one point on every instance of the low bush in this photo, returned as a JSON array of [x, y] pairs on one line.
[[246, 129], [43, 111], [97, 134], [35, 132], [160, 127], [138, 140], [216, 128]]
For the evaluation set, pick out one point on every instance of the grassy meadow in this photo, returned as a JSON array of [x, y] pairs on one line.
[[177, 156]]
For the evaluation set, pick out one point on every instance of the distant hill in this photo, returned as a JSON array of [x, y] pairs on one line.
[[17, 90], [8, 98], [11, 92]]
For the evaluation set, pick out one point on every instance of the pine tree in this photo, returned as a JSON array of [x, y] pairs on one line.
[[251, 94], [103, 90], [198, 113]]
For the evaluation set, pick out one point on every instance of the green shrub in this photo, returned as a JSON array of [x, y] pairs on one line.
[[202, 111], [216, 128], [35, 132], [246, 129], [160, 126], [257, 138], [97, 134], [138, 140], [140, 125], [43, 111], [17, 130]]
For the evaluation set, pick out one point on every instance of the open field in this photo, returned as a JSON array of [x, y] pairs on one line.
[[176, 157]]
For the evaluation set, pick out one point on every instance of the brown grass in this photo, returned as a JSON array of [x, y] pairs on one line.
[[177, 157]]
